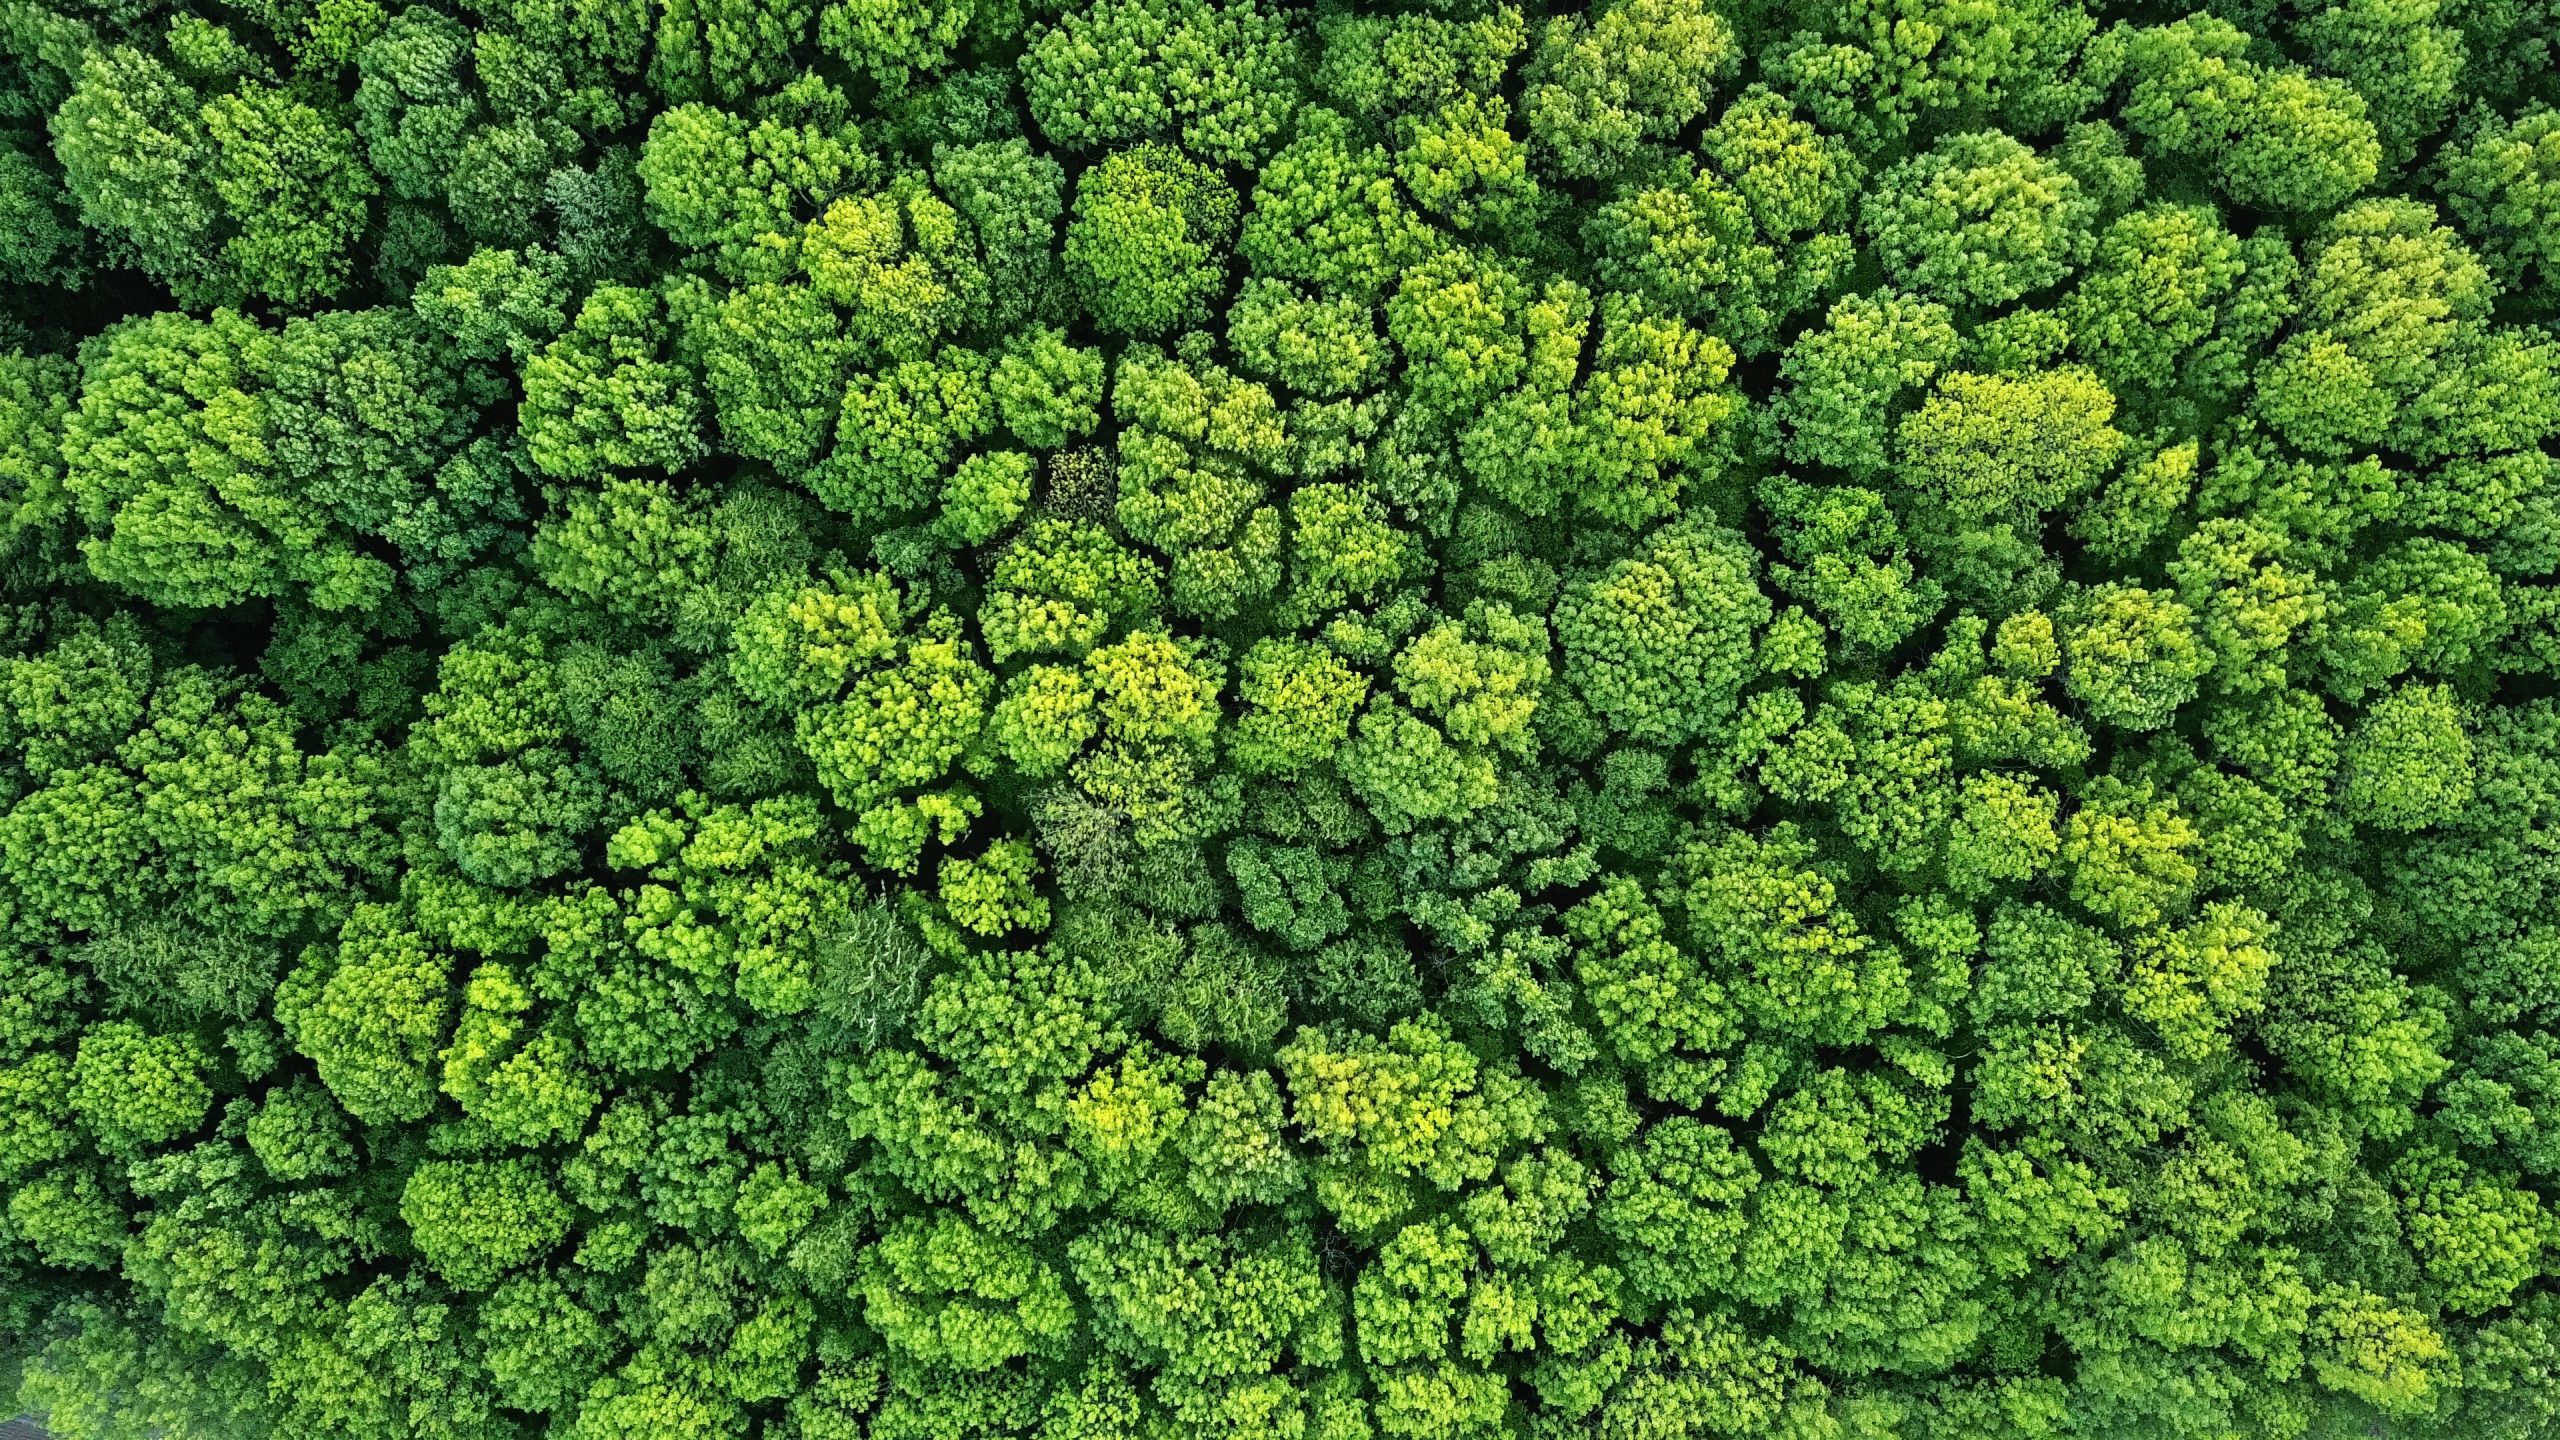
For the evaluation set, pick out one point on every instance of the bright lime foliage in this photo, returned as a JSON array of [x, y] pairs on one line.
[[1986, 447], [2133, 656], [476, 1220], [2408, 764], [1237, 720], [134, 1089], [1147, 248]]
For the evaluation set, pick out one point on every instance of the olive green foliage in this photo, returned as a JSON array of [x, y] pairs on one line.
[[1385, 720]]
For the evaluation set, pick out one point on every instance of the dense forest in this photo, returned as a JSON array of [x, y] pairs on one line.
[[1211, 720]]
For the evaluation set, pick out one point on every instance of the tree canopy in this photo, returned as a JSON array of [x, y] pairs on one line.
[[1383, 720]]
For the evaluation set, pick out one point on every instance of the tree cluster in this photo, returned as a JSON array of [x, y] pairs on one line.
[[1220, 720]]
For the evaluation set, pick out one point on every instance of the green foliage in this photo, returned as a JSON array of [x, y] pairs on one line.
[[1139, 718], [2133, 656], [739, 190], [1323, 348], [2268, 135], [1844, 380], [1659, 645], [476, 1220], [1325, 211], [1300, 699], [1048, 391], [2408, 763], [1194, 438], [1062, 585], [1715, 245], [900, 264], [1989, 447], [2501, 183], [2151, 291], [1631, 72], [602, 397], [889, 39], [1978, 220], [134, 1089], [1219, 74], [225, 189], [207, 458], [44, 241], [1147, 247], [368, 1012]]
